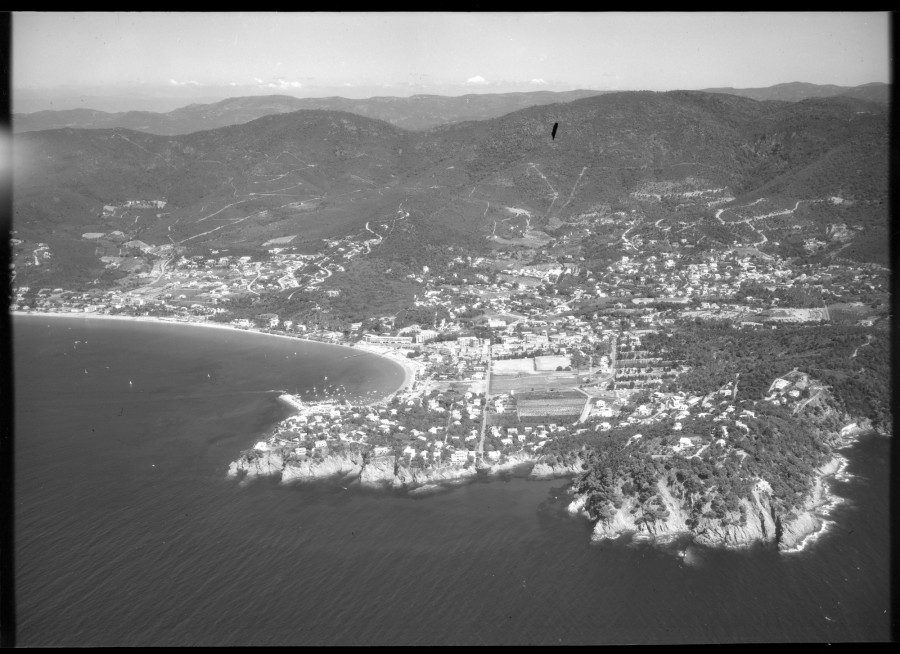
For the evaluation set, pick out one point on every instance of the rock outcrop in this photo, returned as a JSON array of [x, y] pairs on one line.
[[543, 470], [330, 466], [257, 464], [761, 522], [373, 472]]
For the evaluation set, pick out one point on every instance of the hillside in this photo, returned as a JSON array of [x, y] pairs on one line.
[[711, 168], [417, 112], [796, 91]]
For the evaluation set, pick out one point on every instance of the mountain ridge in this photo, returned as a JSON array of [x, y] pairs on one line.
[[416, 112], [796, 91], [326, 174]]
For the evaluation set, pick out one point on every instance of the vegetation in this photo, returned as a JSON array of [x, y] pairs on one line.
[[719, 354]]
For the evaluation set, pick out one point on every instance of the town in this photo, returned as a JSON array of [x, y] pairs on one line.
[[512, 353]]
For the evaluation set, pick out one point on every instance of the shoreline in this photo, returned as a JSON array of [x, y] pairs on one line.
[[801, 533], [388, 472], [817, 510], [409, 370], [821, 508]]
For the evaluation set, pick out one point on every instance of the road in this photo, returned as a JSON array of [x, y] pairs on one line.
[[625, 239], [868, 342], [572, 194], [479, 451], [250, 285], [553, 191]]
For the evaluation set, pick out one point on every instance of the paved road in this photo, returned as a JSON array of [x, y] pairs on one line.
[[479, 452]]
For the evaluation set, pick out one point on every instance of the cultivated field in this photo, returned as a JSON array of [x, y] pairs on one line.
[[537, 382]]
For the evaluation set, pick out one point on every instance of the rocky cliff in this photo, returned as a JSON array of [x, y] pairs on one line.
[[378, 472], [544, 470], [756, 518], [756, 521]]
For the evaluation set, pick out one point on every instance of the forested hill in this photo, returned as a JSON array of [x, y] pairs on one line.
[[417, 112], [325, 174], [795, 91]]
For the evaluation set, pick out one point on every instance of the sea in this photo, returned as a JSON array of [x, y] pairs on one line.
[[129, 532]]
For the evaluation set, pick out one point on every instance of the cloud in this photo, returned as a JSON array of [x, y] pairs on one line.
[[280, 83], [188, 82], [478, 79], [538, 80]]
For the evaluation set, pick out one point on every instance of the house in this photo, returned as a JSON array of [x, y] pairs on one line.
[[459, 456]]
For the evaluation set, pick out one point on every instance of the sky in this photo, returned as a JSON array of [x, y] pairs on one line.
[[136, 59]]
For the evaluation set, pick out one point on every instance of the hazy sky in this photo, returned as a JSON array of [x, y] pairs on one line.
[[364, 54]]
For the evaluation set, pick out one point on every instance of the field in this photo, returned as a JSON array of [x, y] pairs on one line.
[[798, 315], [849, 312], [536, 382], [550, 405]]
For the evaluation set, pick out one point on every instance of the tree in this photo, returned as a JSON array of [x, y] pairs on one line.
[[579, 360]]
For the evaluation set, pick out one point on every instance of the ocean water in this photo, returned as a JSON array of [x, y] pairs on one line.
[[129, 533]]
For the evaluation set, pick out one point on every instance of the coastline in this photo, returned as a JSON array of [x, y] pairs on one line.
[[824, 501], [384, 472], [409, 370], [812, 521]]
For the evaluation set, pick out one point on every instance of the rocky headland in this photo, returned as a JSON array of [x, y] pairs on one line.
[[758, 518], [765, 481]]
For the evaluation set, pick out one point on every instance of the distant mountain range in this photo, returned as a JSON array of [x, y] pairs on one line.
[[417, 112], [796, 91], [329, 174]]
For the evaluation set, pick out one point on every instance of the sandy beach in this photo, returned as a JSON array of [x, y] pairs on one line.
[[411, 368], [408, 366]]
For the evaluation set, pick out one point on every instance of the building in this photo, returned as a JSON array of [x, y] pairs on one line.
[[388, 340], [459, 456]]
